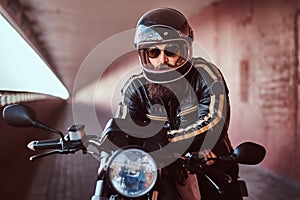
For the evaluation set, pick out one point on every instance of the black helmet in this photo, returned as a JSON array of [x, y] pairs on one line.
[[164, 26]]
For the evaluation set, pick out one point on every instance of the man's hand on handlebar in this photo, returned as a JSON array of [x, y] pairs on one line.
[[207, 153]]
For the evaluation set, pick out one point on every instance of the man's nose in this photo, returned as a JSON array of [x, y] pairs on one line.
[[162, 57]]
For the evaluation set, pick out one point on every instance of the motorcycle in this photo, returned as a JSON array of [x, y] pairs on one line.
[[128, 167]]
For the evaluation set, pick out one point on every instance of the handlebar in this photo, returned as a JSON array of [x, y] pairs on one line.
[[45, 144], [64, 146]]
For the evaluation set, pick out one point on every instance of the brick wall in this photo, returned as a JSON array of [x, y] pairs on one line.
[[255, 45]]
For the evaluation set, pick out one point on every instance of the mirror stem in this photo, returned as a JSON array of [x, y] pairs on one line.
[[45, 127]]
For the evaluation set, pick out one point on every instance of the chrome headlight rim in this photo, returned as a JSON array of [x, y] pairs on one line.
[[113, 181]]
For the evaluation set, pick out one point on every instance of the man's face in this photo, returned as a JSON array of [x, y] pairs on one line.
[[163, 56]]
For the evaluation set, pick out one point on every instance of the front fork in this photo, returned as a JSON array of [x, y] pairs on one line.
[[154, 195], [98, 190], [100, 182]]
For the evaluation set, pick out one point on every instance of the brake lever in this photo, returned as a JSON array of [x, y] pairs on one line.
[[220, 191], [56, 151], [196, 164]]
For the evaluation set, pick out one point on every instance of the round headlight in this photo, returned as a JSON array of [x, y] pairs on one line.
[[132, 172]]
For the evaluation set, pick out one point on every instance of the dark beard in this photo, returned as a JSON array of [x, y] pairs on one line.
[[159, 91], [164, 66]]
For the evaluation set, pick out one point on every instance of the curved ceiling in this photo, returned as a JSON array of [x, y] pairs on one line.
[[68, 30]]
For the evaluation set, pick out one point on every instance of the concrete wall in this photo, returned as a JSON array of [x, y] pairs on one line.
[[255, 43], [16, 171]]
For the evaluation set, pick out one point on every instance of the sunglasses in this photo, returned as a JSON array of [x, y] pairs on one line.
[[170, 50]]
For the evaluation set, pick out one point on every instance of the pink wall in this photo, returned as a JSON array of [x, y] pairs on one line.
[[255, 45], [16, 171]]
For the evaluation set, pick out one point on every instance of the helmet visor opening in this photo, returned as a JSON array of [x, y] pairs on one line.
[[176, 49], [170, 50]]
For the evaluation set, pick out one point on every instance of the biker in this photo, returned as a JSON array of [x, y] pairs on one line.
[[188, 94]]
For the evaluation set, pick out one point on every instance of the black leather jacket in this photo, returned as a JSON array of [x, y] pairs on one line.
[[201, 112]]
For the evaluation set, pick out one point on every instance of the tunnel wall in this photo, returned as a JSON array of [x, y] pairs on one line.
[[17, 172], [255, 44]]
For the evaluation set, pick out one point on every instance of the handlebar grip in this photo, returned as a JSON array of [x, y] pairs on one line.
[[45, 144]]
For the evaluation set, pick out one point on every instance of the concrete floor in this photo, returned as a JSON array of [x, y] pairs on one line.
[[64, 177], [264, 185]]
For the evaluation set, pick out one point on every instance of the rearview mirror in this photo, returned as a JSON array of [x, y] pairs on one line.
[[24, 116], [19, 115], [249, 153]]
